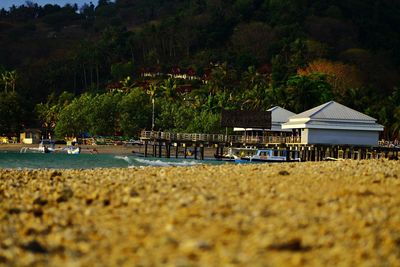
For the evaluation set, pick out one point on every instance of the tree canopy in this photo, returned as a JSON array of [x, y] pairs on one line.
[[199, 56]]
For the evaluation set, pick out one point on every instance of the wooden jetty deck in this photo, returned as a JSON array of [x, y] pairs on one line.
[[193, 144], [217, 138]]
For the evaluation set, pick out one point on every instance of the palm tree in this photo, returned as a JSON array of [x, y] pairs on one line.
[[168, 88], [9, 79], [255, 92]]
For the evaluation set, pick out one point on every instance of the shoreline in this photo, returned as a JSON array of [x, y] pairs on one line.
[[123, 150], [101, 149]]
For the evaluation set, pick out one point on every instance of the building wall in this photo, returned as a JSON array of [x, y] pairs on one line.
[[339, 137], [29, 137]]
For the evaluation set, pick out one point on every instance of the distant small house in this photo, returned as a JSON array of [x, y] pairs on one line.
[[335, 124], [30, 136]]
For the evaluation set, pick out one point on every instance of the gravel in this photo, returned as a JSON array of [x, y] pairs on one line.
[[296, 214]]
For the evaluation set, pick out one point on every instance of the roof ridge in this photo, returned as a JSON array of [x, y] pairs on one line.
[[273, 108], [325, 105]]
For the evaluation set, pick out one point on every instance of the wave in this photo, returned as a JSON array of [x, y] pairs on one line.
[[165, 163], [125, 158]]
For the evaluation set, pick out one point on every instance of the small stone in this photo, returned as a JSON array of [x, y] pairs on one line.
[[37, 212], [65, 194], [291, 245], [55, 174], [133, 193], [40, 201], [106, 202], [35, 247], [284, 173], [14, 211]]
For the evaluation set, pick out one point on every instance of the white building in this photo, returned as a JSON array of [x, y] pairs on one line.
[[334, 124], [278, 117]]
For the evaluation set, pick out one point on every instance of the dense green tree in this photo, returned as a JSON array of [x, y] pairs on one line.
[[205, 122], [73, 119], [173, 115], [135, 112], [122, 70], [49, 111], [103, 114], [305, 92], [255, 39], [10, 113], [255, 95]]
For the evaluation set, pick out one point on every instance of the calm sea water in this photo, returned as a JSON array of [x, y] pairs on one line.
[[17, 160]]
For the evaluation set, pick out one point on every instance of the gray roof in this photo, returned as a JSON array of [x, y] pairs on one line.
[[333, 111], [333, 115], [280, 115]]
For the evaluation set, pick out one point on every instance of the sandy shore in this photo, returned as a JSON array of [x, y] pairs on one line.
[[103, 149], [308, 214]]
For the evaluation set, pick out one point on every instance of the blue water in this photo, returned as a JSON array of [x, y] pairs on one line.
[[15, 160]]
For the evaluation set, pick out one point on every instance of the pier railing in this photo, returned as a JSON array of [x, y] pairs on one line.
[[217, 138]]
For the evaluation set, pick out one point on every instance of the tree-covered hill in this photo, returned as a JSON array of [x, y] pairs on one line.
[[246, 53]]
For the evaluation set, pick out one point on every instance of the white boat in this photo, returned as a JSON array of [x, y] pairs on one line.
[[274, 155], [48, 146], [73, 150], [236, 153], [45, 146]]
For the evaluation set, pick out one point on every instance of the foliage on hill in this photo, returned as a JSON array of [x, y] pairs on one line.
[[236, 54]]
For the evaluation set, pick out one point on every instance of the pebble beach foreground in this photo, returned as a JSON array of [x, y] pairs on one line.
[[308, 214]]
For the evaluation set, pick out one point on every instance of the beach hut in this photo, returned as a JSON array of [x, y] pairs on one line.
[[30, 136], [278, 117], [335, 124]]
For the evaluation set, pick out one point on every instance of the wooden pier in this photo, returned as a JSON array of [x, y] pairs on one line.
[[166, 144]]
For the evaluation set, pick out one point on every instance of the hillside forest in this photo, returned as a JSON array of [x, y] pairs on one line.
[[101, 68]]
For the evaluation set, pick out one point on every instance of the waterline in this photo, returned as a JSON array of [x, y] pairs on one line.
[[14, 160]]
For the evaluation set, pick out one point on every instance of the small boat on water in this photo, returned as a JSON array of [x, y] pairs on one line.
[[45, 146], [48, 146], [73, 150], [236, 153], [273, 155]]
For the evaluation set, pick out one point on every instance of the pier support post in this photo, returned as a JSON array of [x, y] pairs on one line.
[[287, 154], [159, 149], [314, 154], [168, 149], [145, 149], [195, 151], [176, 150]]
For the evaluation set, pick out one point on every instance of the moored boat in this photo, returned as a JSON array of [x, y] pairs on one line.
[[45, 146], [236, 154], [73, 150], [274, 155]]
